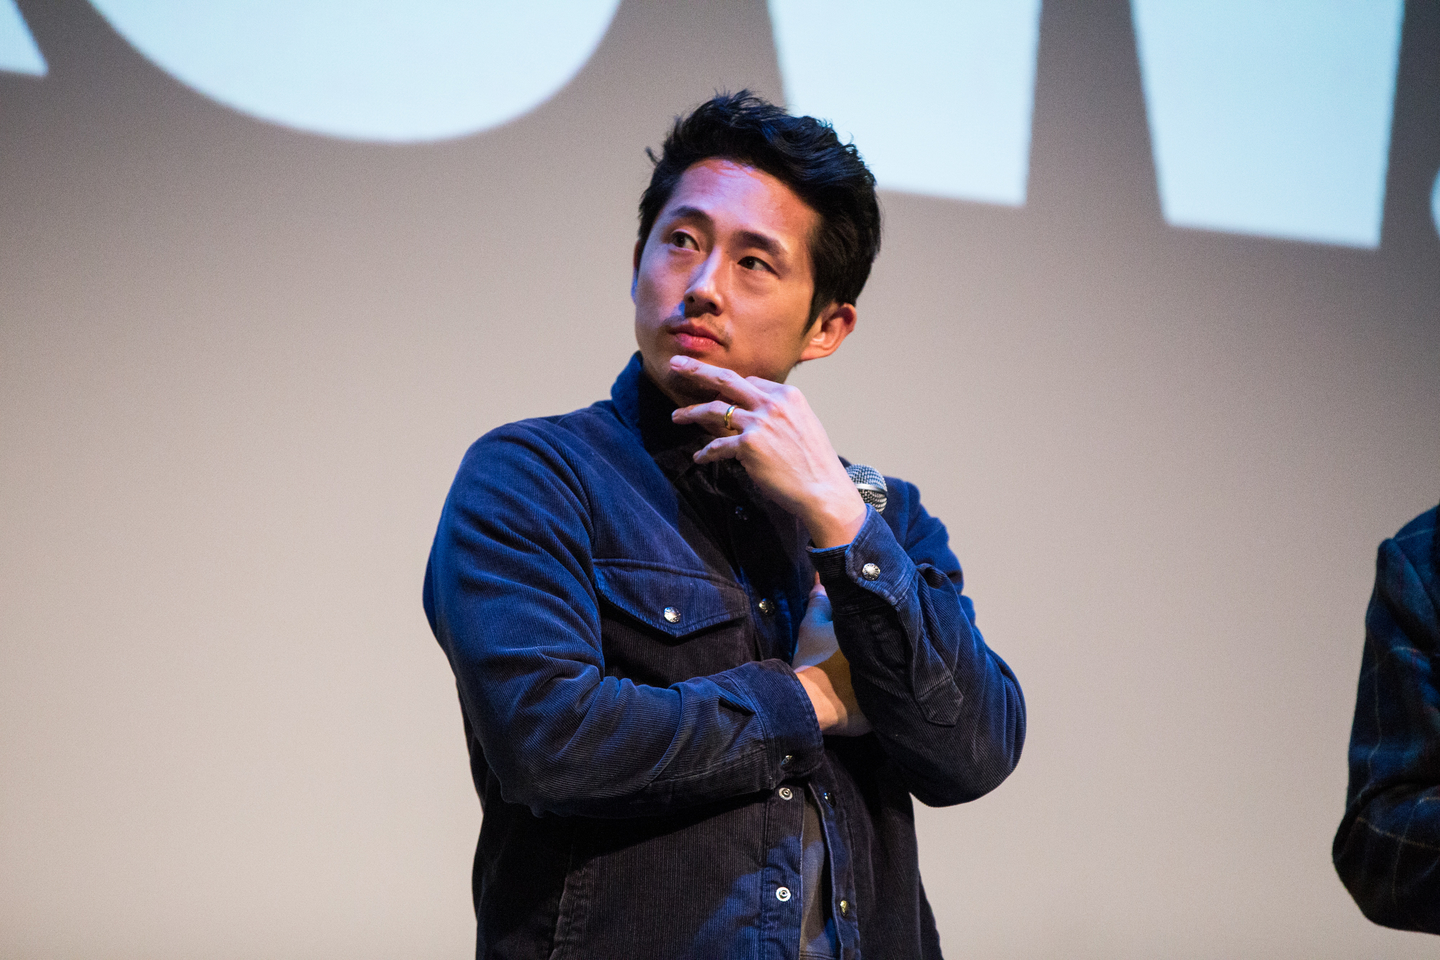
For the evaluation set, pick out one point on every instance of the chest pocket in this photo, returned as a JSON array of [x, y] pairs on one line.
[[660, 626]]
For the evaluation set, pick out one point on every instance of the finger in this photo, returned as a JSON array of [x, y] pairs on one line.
[[711, 416], [728, 384], [721, 448], [818, 606]]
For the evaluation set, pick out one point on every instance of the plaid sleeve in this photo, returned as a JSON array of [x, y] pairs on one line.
[[1387, 850]]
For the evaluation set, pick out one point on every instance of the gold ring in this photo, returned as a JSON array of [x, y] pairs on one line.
[[727, 416]]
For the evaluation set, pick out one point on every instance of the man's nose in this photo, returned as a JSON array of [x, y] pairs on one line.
[[704, 294]]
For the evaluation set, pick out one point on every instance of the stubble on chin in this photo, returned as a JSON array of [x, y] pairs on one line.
[[679, 389]]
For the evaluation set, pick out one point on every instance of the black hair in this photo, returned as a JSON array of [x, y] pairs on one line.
[[801, 152]]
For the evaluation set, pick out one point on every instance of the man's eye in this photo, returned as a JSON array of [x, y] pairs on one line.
[[754, 263], [684, 240]]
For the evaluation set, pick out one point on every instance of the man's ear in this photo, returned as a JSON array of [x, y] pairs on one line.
[[635, 274], [829, 330]]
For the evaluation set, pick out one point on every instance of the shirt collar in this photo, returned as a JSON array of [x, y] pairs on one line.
[[646, 410]]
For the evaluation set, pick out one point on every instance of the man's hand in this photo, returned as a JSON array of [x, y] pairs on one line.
[[780, 442], [825, 673]]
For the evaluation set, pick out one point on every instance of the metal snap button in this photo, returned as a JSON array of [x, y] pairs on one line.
[[829, 798], [786, 793], [767, 606], [783, 895], [671, 615], [741, 513], [844, 908], [870, 572], [785, 760]]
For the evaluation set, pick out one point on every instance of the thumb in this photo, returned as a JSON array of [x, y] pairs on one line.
[[818, 606]]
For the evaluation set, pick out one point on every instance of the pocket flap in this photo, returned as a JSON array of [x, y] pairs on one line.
[[677, 602]]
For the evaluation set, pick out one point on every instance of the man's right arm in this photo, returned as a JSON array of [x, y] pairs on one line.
[[510, 595]]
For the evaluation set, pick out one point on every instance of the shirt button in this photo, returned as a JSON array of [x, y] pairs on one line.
[[786, 793], [767, 606], [844, 907], [783, 895], [870, 572], [671, 615]]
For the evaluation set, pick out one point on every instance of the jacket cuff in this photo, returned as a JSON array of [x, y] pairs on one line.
[[870, 571], [794, 746]]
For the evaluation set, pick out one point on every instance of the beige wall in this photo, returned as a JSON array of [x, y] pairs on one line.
[[239, 365]]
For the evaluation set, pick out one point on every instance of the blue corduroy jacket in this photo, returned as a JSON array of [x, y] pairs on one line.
[[621, 622]]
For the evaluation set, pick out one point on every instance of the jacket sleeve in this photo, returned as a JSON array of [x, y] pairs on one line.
[[509, 591], [946, 709], [1387, 850]]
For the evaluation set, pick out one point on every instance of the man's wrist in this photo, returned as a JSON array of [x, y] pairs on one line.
[[838, 519], [825, 714]]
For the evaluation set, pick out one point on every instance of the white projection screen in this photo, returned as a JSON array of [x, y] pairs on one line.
[[1155, 328]]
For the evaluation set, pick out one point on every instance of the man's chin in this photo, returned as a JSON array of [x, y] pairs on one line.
[[685, 392], [681, 390]]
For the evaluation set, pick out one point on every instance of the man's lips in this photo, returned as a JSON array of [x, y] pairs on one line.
[[692, 336]]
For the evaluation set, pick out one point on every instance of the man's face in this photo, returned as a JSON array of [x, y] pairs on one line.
[[725, 277]]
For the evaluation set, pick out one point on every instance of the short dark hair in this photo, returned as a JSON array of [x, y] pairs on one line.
[[801, 152]]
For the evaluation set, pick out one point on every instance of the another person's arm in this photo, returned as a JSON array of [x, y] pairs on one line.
[[1387, 850]]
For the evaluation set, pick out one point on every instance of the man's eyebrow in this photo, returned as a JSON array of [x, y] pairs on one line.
[[750, 238], [760, 241], [684, 212]]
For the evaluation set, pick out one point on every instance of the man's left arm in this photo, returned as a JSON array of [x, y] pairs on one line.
[[945, 707], [947, 710]]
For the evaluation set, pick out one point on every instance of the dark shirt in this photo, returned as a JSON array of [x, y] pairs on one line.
[[1387, 849], [620, 623]]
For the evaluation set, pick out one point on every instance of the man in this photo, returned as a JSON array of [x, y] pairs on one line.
[[673, 758], [1387, 850]]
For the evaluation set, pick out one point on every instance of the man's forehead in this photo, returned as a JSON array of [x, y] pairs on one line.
[[738, 196]]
